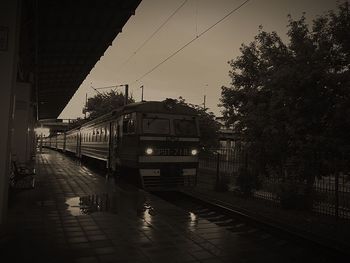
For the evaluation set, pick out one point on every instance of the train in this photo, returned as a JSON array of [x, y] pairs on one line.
[[155, 144]]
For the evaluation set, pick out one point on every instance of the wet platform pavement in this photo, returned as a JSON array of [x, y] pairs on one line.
[[76, 215]]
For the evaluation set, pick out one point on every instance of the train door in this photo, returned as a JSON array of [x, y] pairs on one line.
[[78, 145], [114, 141], [110, 145]]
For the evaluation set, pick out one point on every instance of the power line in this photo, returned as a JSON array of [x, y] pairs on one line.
[[192, 40], [114, 86], [152, 35]]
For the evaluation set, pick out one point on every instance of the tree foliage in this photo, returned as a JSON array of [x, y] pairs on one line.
[[77, 123], [105, 102], [291, 102], [208, 126]]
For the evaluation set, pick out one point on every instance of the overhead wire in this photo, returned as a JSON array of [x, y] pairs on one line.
[[152, 35], [192, 40]]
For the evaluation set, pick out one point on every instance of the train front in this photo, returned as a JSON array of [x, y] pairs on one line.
[[169, 145]]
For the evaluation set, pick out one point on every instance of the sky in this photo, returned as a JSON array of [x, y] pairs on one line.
[[198, 70]]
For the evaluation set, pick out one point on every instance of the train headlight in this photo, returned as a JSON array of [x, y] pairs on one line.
[[194, 152], [149, 151]]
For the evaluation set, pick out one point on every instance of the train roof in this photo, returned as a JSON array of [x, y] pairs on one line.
[[168, 106]]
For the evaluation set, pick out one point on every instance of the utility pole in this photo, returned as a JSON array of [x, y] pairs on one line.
[[85, 105], [141, 93], [205, 96], [126, 93]]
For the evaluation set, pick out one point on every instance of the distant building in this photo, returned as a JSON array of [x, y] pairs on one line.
[[228, 138]]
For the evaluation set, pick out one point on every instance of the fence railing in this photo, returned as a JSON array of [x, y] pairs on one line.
[[330, 195]]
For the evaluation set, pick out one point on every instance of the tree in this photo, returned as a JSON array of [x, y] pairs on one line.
[[77, 123], [105, 102], [291, 102], [208, 126]]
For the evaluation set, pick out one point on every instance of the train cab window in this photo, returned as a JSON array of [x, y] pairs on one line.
[[131, 126], [129, 123], [156, 126], [185, 127]]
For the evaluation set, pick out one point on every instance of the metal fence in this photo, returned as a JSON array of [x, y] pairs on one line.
[[330, 195]]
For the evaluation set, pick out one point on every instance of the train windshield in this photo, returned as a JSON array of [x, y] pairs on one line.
[[156, 126], [185, 127]]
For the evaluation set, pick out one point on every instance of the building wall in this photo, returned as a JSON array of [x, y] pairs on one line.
[[9, 18], [22, 125]]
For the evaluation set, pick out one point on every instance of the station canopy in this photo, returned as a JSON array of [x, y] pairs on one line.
[[61, 41]]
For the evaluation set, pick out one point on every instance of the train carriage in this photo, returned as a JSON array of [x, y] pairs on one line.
[[73, 142], [61, 141], [53, 142], [44, 141], [95, 139]]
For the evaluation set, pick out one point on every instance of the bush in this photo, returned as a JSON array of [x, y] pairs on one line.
[[247, 182], [222, 184], [293, 195]]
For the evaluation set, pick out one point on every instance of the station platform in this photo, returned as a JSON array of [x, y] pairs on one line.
[[76, 215]]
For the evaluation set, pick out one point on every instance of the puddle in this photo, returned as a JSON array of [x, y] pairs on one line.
[[86, 205], [133, 203]]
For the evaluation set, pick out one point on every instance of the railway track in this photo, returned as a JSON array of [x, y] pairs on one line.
[[272, 237]]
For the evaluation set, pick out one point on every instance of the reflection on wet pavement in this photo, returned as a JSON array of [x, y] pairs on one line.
[[75, 215], [86, 205], [126, 199]]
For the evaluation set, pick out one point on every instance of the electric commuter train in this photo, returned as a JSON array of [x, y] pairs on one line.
[[155, 143]]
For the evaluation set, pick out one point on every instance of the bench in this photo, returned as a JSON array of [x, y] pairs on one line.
[[21, 177]]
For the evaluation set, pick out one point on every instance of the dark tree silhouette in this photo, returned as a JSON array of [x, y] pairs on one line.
[[105, 102], [291, 102]]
